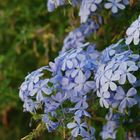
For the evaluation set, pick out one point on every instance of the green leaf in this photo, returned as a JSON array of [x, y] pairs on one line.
[[121, 133]]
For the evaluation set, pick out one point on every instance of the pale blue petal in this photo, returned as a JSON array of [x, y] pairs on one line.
[[131, 102], [74, 73], [71, 125], [108, 74], [75, 132], [108, 5], [106, 94], [69, 64], [131, 78], [80, 78], [113, 86], [131, 92], [105, 87], [114, 9], [123, 104], [122, 79]]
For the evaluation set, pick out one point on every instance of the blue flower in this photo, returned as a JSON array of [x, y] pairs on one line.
[[110, 128], [81, 106], [126, 99], [73, 40], [30, 105], [114, 5], [113, 103], [59, 97], [40, 88], [90, 135], [34, 88], [106, 77], [52, 4], [108, 80], [81, 83], [109, 52], [103, 98], [87, 7], [33, 78], [126, 2], [81, 112], [89, 27], [78, 127], [80, 69], [50, 105], [81, 101], [125, 70], [51, 126]]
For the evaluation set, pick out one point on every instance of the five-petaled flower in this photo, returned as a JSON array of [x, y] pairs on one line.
[[78, 127]]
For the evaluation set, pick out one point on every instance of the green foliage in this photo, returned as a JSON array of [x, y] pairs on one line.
[[121, 133], [29, 38]]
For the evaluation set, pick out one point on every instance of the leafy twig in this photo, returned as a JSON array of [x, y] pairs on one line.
[[36, 132]]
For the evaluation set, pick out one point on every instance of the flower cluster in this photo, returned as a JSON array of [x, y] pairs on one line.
[[77, 38], [112, 74], [81, 75], [77, 75], [89, 7], [33, 88], [73, 69], [73, 74], [72, 80]]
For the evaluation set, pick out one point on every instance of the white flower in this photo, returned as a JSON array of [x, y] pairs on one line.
[[125, 70], [108, 80], [103, 98], [114, 5], [133, 33]]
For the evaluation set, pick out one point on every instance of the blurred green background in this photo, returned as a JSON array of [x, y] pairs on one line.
[[30, 37]]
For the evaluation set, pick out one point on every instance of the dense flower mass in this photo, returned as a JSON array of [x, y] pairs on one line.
[[133, 32], [73, 80], [113, 72], [82, 77], [72, 72], [73, 69]]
